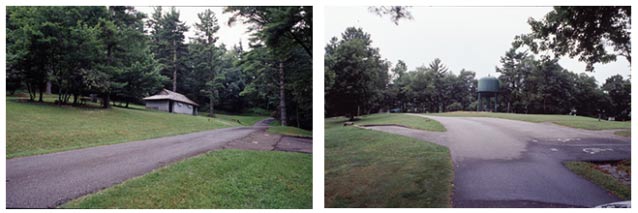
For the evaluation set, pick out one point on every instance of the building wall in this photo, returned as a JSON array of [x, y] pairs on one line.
[[183, 108], [161, 105]]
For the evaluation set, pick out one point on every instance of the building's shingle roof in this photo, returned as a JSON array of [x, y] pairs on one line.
[[170, 95]]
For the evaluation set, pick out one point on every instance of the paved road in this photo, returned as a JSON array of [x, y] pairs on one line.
[[264, 122], [45, 181], [508, 163]]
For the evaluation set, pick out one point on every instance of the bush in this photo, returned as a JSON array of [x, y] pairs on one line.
[[456, 106]]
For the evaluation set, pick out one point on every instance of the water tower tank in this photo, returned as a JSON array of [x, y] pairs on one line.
[[488, 84], [487, 89]]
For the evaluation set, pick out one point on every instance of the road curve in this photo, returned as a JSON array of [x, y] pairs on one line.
[[46, 181], [509, 163]]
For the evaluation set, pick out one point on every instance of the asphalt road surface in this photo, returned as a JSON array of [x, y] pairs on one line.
[[508, 163], [46, 181]]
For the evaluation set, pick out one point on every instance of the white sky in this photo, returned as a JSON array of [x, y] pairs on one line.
[[228, 35], [473, 38]]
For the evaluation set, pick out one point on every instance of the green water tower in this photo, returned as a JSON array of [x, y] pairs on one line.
[[488, 88]]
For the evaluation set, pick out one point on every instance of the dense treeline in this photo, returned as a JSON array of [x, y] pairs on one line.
[[358, 81], [79, 51], [121, 55], [532, 85]]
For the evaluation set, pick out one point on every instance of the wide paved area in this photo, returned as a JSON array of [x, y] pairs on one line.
[[508, 163]]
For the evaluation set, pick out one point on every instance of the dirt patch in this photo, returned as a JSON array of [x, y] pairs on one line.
[[294, 144], [620, 170]]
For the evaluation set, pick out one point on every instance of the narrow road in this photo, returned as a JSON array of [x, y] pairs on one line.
[[46, 181], [508, 163]]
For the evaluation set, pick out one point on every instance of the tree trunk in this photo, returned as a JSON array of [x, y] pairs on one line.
[[59, 96], [544, 105], [174, 67], [282, 95], [49, 87], [41, 90], [297, 116], [66, 98], [31, 96], [508, 107], [106, 101], [210, 107]]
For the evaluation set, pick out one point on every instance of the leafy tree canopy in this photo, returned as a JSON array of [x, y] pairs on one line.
[[594, 34]]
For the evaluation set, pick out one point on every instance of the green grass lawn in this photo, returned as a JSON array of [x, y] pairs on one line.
[[219, 179], [564, 120], [624, 133], [602, 179], [276, 128], [38, 128], [245, 120], [410, 121], [132, 106], [366, 168], [290, 131]]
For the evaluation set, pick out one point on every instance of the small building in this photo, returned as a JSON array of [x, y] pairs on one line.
[[169, 101]]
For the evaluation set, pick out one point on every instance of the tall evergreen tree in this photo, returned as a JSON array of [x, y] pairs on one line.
[[206, 57], [137, 73], [515, 71], [359, 73], [282, 30], [167, 34]]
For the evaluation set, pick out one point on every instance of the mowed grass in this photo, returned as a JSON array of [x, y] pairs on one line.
[[366, 168], [219, 179], [245, 120], [410, 121], [624, 133], [276, 128], [39, 128], [606, 181], [580, 122], [290, 131]]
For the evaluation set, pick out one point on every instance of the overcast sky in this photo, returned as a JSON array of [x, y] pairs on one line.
[[227, 35], [473, 38]]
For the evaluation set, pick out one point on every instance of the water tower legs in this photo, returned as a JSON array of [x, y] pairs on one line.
[[478, 106], [491, 103], [495, 103]]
